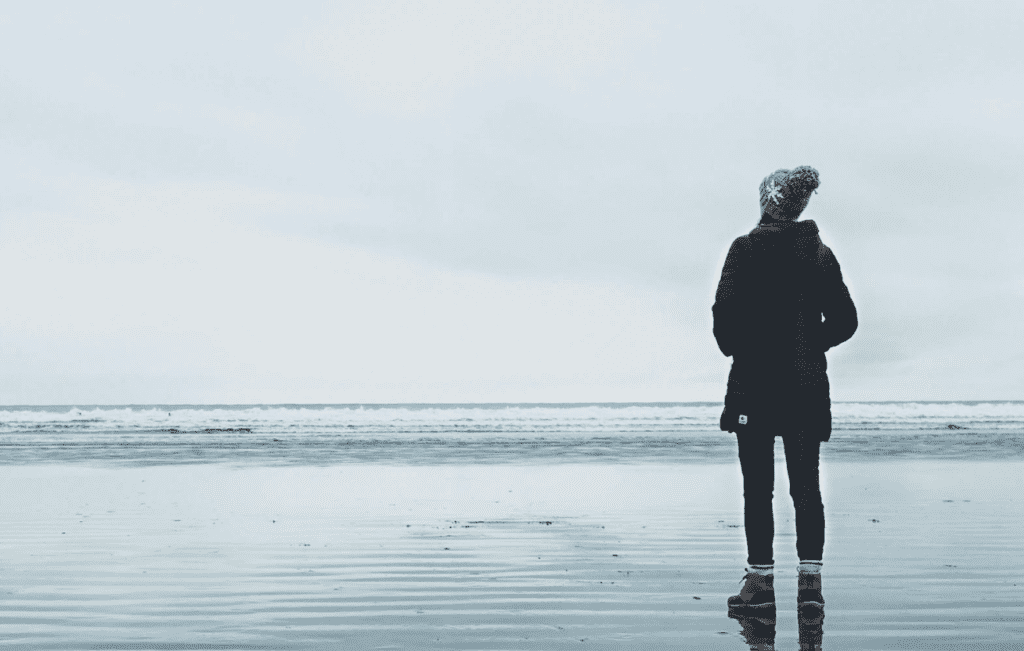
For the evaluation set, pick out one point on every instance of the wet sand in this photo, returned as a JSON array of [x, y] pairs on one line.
[[920, 555]]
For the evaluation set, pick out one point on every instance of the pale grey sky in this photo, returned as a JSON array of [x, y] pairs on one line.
[[508, 201]]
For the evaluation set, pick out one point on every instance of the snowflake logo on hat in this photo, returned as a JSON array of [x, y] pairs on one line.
[[774, 192]]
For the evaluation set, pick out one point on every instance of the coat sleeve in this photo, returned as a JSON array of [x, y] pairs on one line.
[[726, 310], [837, 305]]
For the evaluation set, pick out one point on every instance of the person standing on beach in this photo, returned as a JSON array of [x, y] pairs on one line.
[[778, 283]]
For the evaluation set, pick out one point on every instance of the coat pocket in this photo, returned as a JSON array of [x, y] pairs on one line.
[[734, 419]]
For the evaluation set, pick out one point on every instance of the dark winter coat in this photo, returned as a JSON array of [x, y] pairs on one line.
[[777, 284]]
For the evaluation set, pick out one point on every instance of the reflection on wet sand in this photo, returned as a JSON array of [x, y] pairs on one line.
[[759, 632], [810, 618]]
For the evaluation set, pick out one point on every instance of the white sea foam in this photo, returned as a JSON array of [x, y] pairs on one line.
[[479, 433], [495, 419]]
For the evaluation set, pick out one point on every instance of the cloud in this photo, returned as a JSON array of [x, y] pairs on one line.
[[167, 169], [174, 286], [414, 56]]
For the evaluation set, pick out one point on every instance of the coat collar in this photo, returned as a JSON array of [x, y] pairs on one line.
[[805, 228]]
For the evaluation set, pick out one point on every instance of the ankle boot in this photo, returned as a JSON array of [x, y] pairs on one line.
[[809, 589], [756, 595]]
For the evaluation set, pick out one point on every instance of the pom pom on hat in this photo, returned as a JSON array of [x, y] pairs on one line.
[[784, 193]]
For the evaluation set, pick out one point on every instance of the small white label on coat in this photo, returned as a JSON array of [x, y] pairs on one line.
[[743, 419]]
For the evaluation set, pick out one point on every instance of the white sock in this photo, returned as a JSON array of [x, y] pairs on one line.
[[809, 567], [763, 570]]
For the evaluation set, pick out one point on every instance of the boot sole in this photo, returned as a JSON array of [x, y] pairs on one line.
[[738, 611]]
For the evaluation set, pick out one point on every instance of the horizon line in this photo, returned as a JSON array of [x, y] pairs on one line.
[[463, 404]]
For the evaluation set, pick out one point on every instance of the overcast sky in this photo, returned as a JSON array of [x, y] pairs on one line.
[[509, 201]]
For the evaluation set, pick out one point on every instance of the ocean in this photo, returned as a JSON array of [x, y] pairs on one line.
[[415, 434], [494, 527]]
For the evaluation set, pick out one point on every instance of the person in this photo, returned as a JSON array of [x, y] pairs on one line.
[[780, 304]]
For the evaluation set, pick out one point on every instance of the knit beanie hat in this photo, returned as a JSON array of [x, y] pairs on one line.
[[784, 193]]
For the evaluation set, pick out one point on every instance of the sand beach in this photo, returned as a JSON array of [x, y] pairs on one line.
[[921, 554]]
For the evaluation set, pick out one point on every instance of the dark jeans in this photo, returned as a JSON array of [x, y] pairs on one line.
[[757, 452]]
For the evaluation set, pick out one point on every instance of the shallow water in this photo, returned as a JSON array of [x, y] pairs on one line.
[[920, 554]]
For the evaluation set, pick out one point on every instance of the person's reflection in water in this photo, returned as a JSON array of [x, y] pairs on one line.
[[810, 618], [758, 632], [810, 610]]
